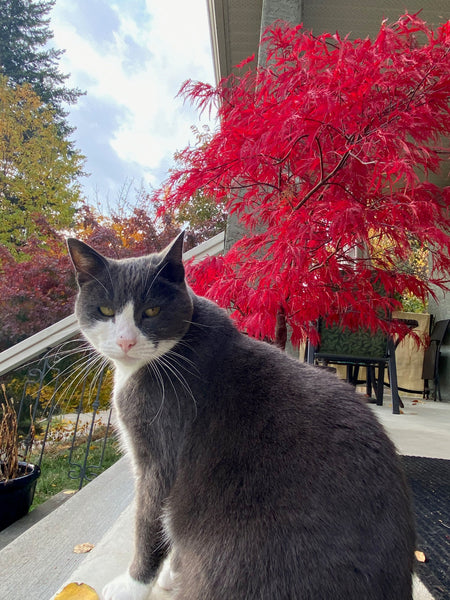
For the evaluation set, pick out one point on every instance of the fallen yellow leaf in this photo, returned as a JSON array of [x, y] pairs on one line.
[[77, 591], [83, 548], [420, 556]]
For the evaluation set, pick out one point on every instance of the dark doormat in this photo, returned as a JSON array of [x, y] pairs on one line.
[[429, 479]]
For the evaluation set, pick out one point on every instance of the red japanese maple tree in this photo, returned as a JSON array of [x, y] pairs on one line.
[[325, 155]]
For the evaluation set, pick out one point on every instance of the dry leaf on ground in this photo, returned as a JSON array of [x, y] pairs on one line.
[[77, 591], [83, 548]]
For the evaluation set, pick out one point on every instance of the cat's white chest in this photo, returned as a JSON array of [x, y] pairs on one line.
[[122, 374], [121, 378]]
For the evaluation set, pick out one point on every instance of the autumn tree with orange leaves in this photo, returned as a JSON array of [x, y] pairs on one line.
[[37, 292]]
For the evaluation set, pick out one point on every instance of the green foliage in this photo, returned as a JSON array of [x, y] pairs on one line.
[[201, 215], [26, 56], [204, 217], [72, 382], [415, 263], [412, 304], [38, 169], [55, 466]]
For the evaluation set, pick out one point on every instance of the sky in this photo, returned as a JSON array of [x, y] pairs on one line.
[[131, 58]]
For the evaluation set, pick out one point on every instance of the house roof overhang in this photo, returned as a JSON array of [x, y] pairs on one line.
[[235, 32]]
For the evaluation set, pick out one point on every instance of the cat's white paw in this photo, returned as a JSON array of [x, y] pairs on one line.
[[166, 576], [125, 587]]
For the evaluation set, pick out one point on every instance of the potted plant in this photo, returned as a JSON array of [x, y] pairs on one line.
[[17, 477]]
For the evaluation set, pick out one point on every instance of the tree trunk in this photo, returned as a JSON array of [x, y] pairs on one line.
[[281, 329]]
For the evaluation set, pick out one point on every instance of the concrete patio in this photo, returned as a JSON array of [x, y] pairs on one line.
[[422, 430], [40, 561]]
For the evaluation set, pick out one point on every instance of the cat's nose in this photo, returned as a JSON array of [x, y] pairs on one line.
[[126, 344]]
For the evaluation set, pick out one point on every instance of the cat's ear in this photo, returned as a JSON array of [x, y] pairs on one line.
[[171, 262], [88, 263]]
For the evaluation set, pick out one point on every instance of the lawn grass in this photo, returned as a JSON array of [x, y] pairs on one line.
[[55, 466]]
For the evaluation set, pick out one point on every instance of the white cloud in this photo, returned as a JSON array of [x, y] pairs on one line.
[[135, 56]]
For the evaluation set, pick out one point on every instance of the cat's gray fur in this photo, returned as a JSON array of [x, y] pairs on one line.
[[269, 478]]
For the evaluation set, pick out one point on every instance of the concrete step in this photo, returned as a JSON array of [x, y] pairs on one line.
[[12, 532], [111, 557], [37, 563]]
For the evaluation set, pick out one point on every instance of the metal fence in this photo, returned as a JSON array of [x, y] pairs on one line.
[[64, 403]]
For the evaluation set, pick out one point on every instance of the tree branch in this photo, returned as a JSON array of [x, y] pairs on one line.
[[323, 180]]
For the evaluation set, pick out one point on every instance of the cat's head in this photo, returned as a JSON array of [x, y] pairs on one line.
[[132, 310]]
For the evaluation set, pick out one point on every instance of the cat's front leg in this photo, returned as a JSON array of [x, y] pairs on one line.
[[137, 582], [150, 544]]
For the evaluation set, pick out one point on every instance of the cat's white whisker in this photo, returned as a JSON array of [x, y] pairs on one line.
[[56, 380], [153, 368], [84, 367], [180, 359], [165, 362]]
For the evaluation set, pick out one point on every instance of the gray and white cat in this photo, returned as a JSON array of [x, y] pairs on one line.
[[265, 478]]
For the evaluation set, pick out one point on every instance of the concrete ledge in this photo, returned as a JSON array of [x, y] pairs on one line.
[[110, 557], [37, 563], [12, 532]]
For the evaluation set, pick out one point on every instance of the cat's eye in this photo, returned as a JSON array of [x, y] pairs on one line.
[[152, 312], [106, 311]]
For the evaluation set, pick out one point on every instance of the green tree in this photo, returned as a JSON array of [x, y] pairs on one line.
[[38, 169], [201, 215], [26, 57]]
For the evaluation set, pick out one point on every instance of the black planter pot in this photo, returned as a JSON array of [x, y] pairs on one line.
[[16, 495]]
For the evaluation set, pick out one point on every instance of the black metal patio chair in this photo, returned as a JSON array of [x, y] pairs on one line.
[[356, 349]]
